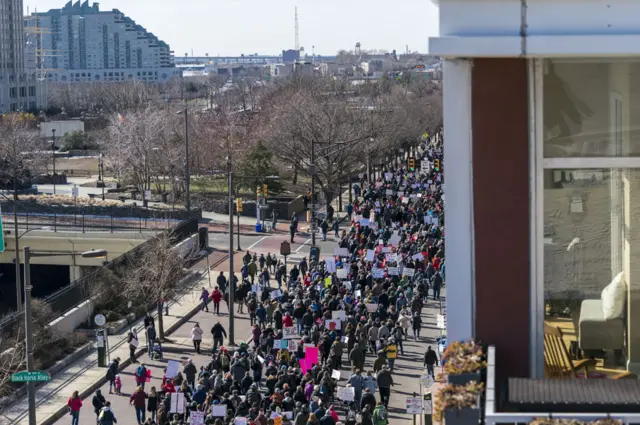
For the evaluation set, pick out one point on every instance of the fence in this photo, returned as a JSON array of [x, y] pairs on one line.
[[77, 291], [90, 223]]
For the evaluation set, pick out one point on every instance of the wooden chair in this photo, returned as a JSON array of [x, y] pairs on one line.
[[558, 363]]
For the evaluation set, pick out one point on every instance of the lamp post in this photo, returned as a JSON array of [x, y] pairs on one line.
[[53, 156], [31, 392]]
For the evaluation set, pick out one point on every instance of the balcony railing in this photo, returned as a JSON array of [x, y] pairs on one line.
[[492, 417]]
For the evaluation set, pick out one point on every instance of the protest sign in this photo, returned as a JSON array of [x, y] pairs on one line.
[[176, 403], [335, 374], [288, 415], [414, 405], [346, 393], [333, 325], [391, 256], [408, 272], [293, 345], [389, 192], [173, 367], [418, 256], [331, 264], [342, 273], [341, 252], [364, 222], [261, 359], [386, 249], [196, 418], [370, 254], [371, 307], [377, 273], [289, 332], [219, 411], [277, 344], [338, 315], [393, 271], [358, 293], [240, 421], [276, 294]]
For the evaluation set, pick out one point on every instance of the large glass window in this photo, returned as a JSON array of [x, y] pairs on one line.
[[591, 210]]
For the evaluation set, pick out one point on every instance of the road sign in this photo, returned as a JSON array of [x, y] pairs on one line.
[[34, 376], [100, 319], [75, 191], [427, 381], [147, 195], [440, 321], [1, 233]]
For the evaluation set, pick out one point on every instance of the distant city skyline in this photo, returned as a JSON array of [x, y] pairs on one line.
[[237, 27]]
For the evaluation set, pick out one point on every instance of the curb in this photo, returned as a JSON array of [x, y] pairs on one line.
[[88, 391]]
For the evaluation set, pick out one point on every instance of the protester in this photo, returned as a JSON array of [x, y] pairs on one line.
[[74, 404]]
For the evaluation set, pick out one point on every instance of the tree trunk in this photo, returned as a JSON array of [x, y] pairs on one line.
[[160, 321], [295, 175]]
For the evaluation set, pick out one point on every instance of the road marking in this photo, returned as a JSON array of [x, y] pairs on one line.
[[300, 247], [251, 247]]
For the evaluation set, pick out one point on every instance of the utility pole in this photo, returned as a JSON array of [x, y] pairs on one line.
[[231, 285], [187, 182], [31, 389], [313, 192], [17, 242], [53, 156]]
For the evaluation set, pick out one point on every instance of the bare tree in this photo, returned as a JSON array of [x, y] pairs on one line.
[[20, 150], [155, 275]]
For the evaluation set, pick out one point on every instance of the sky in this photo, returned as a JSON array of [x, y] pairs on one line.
[[234, 27]]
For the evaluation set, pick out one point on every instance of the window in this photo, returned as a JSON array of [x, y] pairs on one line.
[[590, 208]]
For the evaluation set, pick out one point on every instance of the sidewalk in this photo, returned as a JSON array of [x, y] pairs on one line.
[[85, 376]]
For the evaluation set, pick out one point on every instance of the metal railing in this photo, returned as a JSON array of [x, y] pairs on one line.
[[90, 223], [494, 418], [70, 296]]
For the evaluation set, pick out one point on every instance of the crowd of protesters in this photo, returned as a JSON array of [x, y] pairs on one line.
[[314, 328]]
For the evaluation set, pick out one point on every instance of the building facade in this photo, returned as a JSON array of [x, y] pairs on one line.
[[81, 43], [20, 87], [543, 158]]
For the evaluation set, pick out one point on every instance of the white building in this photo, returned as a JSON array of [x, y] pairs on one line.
[[81, 43], [20, 88]]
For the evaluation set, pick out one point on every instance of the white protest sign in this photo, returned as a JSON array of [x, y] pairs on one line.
[[261, 359], [388, 176], [418, 256], [277, 344], [371, 307], [240, 421], [391, 256], [342, 273], [346, 393], [386, 249], [358, 293], [338, 315], [196, 418], [341, 252], [177, 403], [333, 325], [289, 332], [288, 415], [414, 405], [173, 367], [335, 374], [408, 272], [292, 345], [370, 255], [364, 222], [393, 271], [219, 411], [389, 192], [276, 294], [331, 264], [377, 273], [427, 381], [440, 322]]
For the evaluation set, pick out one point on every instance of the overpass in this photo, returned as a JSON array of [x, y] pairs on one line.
[[71, 242]]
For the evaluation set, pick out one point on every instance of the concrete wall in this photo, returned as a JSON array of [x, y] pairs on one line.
[[61, 127], [74, 318]]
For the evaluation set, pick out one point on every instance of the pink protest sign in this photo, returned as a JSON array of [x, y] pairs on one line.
[[311, 355], [303, 365]]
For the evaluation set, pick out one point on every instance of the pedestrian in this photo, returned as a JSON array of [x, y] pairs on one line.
[[190, 371], [204, 297], [74, 404], [106, 416], [221, 281], [138, 401], [324, 226], [380, 414], [153, 401], [112, 371], [98, 401], [430, 360], [118, 385], [385, 382], [274, 219], [216, 297], [416, 323], [150, 333], [336, 228], [196, 336], [132, 339], [219, 334], [141, 375]]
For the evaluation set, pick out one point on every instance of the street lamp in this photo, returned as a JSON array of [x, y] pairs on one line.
[[187, 171], [53, 155], [31, 391]]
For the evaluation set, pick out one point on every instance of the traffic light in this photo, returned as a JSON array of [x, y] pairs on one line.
[[265, 190], [239, 205], [437, 165], [259, 192], [412, 164]]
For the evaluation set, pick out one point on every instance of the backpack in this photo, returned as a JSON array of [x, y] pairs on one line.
[[106, 416], [141, 372], [380, 416]]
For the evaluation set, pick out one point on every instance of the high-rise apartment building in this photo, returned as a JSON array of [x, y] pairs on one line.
[[81, 43], [20, 87]]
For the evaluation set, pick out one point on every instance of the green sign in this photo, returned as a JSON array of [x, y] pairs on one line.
[[26, 376], [1, 233]]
